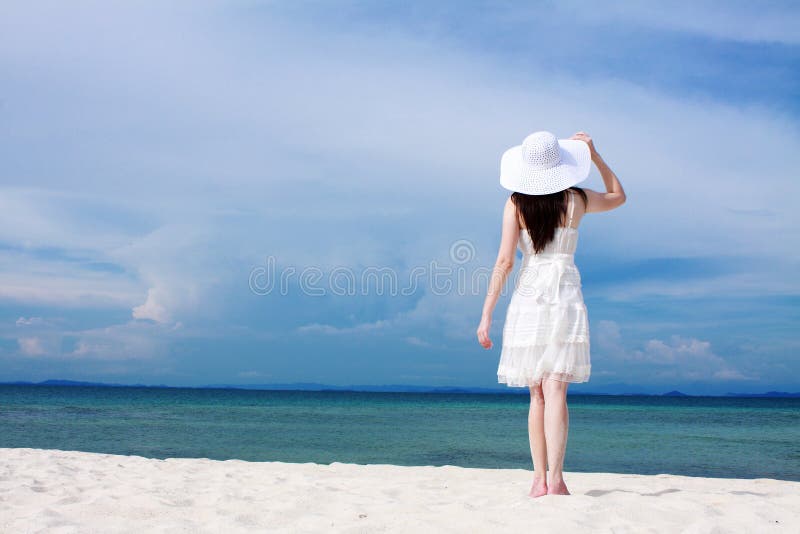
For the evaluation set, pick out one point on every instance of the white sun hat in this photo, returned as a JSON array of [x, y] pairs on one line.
[[543, 164]]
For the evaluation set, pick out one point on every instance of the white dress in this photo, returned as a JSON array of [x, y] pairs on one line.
[[546, 333]]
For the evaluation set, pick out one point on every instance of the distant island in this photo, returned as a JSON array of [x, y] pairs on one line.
[[388, 388]]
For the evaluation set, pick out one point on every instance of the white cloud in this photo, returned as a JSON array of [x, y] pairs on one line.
[[417, 342], [135, 340], [730, 374], [335, 330], [29, 321], [31, 346], [678, 351], [31, 279], [151, 309], [607, 335], [680, 357]]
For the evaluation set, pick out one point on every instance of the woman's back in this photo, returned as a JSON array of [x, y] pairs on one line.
[[565, 240], [566, 233], [595, 202]]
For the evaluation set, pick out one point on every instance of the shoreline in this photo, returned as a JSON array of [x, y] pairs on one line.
[[48, 489]]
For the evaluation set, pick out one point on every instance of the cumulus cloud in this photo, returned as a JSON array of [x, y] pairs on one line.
[[679, 357], [31, 346], [151, 309]]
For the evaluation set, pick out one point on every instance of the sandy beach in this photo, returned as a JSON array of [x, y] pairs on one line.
[[64, 491]]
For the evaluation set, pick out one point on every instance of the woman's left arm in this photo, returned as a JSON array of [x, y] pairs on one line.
[[502, 268]]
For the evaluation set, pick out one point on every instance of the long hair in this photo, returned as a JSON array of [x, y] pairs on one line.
[[543, 213]]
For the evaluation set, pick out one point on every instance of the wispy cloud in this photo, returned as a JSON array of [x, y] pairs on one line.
[[355, 329], [773, 22]]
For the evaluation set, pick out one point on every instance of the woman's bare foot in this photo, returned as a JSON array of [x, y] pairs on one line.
[[557, 487], [539, 487]]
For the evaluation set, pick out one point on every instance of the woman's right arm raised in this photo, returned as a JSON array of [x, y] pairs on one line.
[[615, 195]]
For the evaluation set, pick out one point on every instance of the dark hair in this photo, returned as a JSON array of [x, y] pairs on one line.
[[543, 213]]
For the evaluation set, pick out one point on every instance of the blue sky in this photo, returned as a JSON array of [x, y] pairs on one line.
[[155, 158]]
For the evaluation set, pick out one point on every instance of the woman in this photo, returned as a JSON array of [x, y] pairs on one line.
[[546, 333]]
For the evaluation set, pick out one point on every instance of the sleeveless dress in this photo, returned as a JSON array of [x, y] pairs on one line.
[[546, 333]]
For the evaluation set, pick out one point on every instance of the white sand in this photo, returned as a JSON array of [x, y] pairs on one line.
[[58, 491]]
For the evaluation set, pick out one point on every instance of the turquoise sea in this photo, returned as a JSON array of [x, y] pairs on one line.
[[696, 436]]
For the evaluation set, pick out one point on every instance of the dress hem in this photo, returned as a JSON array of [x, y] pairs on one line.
[[513, 379]]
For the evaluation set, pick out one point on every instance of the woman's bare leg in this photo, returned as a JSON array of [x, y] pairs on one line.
[[556, 428], [537, 441]]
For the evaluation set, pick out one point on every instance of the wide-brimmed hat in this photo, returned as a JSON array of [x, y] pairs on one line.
[[543, 164]]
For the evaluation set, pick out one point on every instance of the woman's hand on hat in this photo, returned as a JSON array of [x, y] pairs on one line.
[[483, 332], [583, 136]]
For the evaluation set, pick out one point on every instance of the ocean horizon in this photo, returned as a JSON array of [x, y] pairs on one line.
[[725, 437], [396, 388]]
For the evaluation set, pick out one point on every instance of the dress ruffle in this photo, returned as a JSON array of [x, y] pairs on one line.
[[528, 365], [545, 341], [539, 324]]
